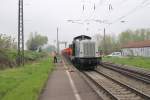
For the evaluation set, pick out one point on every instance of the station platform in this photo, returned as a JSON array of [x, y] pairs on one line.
[[65, 84]]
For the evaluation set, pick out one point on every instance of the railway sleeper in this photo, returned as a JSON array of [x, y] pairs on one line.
[[130, 98], [120, 92]]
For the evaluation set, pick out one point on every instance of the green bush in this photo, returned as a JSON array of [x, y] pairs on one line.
[[8, 57], [32, 56]]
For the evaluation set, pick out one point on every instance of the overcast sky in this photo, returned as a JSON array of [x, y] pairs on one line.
[[44, 16]]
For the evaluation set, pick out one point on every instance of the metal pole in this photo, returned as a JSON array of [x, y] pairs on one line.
[[57, 41], [105, 51], [22, 35], [20, 58], [65, 44], [104, 33]]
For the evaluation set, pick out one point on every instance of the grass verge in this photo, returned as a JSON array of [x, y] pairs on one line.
[[24, 83], [133, 61]]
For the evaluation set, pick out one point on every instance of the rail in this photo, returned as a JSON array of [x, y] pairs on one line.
[[139, 75]]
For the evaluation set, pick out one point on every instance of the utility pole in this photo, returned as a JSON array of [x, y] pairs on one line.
[[63, 42], [57, 41], [105, 51], [104, 34], [20, 58]]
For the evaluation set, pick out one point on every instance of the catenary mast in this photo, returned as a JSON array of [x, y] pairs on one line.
[[20, 58]]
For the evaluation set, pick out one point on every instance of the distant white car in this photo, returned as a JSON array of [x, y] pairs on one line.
[[115, 54]]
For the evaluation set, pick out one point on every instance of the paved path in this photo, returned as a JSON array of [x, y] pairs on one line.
[[65, 85]]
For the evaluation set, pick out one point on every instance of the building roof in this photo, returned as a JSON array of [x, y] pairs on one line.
[[137, 44]]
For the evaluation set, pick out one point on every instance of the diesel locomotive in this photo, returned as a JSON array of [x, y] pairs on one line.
[[83, 53]]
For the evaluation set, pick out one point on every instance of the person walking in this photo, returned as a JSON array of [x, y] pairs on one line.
[[55, 57]]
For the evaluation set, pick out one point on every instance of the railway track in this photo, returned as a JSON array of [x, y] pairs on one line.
[[109, 88], [136, 74], [113, 89]]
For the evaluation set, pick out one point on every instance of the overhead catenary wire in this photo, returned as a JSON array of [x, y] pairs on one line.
[[94, 8], [138, 7], [143, 4], [88, 18]]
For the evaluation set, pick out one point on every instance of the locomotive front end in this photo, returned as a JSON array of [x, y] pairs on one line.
[[86, 55]]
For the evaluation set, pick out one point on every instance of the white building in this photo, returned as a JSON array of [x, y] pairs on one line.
[[141, 48]]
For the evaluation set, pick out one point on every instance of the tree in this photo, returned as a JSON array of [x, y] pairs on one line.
[[125, 37], [137, 35], [111, 44], [7, 42], [148, 34], [107, 45], [50, 48], [36, 41]]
